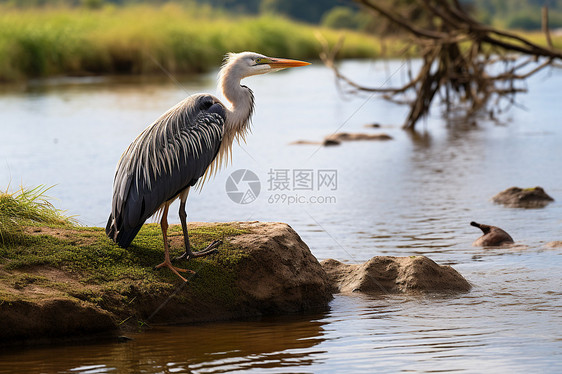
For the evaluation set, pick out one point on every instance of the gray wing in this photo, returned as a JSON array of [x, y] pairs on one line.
[[165, 159]]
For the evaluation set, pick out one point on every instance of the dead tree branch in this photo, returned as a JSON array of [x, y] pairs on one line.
[[464, 62]]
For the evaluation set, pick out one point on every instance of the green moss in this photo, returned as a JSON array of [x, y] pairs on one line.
[[113, 277]]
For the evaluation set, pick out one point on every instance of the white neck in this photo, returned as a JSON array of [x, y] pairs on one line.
[[240, 102], [239, 106]]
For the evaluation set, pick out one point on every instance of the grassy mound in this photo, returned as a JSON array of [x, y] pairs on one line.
[[91, 259], [37, 237], [81, 265]]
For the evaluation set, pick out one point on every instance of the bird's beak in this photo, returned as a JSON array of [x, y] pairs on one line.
[[282, 63]]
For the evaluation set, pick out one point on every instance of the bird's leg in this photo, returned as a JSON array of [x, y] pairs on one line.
[[211, 248], [167, 263]]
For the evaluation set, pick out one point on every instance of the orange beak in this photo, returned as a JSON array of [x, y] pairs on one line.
[[282, 63]]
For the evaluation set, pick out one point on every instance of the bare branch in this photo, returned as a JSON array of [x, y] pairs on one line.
[[458, 74]]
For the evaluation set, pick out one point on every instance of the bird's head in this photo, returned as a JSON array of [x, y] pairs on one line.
[[246, 64]]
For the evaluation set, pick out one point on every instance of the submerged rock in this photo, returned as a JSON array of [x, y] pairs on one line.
[[493, 236], [326, 142], [345, 137], [388, 274], [305, 142], [330, 142], [338, 138], [523, 197], [554, 244]]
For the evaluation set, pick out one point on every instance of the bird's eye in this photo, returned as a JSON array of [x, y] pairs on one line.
[[258, 60]]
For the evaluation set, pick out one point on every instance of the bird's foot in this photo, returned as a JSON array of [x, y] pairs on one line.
[[211, 248], [175, 269]]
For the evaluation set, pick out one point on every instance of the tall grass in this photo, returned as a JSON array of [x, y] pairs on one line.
[[26, 206], [135, 39]]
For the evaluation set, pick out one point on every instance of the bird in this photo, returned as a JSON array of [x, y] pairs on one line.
[[185, 146], [493, 236]]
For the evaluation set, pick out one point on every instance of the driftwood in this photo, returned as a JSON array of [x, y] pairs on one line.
[[469, 65]]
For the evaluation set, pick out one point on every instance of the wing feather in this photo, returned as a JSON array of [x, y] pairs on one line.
[[166, 158]]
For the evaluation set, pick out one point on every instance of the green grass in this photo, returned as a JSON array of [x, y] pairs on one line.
[[136, 39], [27, 206], [104, 268]]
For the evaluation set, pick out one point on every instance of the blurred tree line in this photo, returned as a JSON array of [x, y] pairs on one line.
[[345, 14], [517, 14]]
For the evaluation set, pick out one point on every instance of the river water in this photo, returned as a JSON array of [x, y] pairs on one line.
[[413, 195]]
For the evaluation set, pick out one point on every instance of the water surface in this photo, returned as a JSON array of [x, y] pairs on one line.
[[413, 195]]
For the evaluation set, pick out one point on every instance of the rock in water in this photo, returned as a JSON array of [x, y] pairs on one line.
[[523, 197], [388, 274], [345, 137], [493, 236], [330, 142], [280, 274], [554, 244]]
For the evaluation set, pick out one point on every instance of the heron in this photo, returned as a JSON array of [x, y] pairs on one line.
[[184, 146]]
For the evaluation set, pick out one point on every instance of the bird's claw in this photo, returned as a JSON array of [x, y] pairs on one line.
[[211, 249], [174, 269], [181, 257]]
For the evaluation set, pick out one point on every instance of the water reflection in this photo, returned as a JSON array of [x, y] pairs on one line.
[[218, 347]]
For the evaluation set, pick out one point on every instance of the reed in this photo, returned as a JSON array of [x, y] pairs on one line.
[[137, 39], [27, 206]]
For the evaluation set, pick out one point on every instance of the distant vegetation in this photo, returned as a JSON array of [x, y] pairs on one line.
[[41, 38], [520, 14], [137, 39], [517, 14]]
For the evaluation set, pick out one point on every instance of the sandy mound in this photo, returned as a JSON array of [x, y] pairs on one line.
[[388, 274]]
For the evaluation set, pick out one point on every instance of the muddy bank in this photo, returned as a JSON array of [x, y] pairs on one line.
[[263, 268], [68, 282]]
